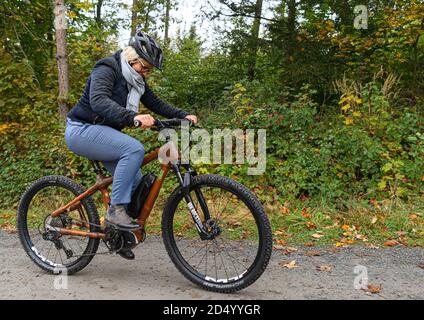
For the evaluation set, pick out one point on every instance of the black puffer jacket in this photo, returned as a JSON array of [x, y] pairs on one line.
[[105, 97]]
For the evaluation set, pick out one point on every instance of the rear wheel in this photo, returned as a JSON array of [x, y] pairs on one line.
[[240, 252], [38, 231]]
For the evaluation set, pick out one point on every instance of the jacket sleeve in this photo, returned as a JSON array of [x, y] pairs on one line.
[[101, 89], [160, 107]]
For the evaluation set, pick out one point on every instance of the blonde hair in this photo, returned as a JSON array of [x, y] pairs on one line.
[[130, 54]]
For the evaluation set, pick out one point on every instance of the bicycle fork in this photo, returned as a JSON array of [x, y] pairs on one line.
[[208, 229]]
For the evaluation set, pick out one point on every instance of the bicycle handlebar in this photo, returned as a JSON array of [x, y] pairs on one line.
[[168, 123]]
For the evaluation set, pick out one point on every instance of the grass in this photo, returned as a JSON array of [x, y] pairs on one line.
[[388, 222], [310, 222]]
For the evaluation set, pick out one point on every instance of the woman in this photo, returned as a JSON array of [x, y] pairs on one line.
[[110, 103]]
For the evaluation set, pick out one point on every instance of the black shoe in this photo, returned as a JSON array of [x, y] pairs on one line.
[[126, 254]]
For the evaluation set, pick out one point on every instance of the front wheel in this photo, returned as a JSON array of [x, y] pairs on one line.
[[240, 252]]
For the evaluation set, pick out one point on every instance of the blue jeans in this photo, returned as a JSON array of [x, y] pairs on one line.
[[121, 154]]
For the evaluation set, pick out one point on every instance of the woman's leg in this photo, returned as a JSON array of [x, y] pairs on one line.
[[111, 166], [103, 143]]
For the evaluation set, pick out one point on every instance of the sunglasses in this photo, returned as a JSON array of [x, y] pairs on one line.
[[145, 68]]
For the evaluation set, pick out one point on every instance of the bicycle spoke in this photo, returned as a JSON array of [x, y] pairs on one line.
[[223, 264], [227, 256]]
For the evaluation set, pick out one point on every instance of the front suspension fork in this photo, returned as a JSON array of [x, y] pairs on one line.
[[185, 183]]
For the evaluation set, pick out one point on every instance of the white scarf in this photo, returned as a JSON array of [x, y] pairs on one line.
[[135, 82]]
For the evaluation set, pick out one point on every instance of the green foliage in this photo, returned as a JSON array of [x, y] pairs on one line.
[[338, 127]]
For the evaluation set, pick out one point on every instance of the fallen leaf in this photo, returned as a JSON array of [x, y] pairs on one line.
[[401, 233], [234, 223], [278, 233], [305, 213], [340, 244], [391, 243], [278, 247], [285, 210], [317, 235], [374, 203], [421, 265], [324, 268], [289, 265], [373, 289], [345, 227], [310, 225], [309, 244], [244, 234], [373, 220], [281, 242], [372, 246], [8, 227], [313, 253]]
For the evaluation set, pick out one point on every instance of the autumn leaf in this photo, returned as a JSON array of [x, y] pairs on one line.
[[305, 213], [289, 265], [421, 265], [373, 289], [313, 253], [310, 225], [324, 268], [317, 235], [345, 227], [278, 247], [401, 233], [285, 210], [373, 220], [234, 223], [278, 233], [391, 243], [8, 227], [281, 242], [309, 244], [348, 121]]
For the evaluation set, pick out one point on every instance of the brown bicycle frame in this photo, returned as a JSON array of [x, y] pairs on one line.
[[102, 184]]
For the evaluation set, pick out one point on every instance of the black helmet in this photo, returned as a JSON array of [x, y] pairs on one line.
[[147, 48]]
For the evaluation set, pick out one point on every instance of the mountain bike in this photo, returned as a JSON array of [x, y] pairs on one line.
[[214, 229]]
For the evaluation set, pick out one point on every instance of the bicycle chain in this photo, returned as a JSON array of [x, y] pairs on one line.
[[91, 224]]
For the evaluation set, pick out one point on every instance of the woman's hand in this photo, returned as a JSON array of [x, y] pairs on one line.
[[192, 118], [147, 121]]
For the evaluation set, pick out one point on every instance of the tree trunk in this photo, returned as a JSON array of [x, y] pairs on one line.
[[167, 10], [147, 17], [134, 17], [291, 28], [99, 12], [60, 24], [254, 40]]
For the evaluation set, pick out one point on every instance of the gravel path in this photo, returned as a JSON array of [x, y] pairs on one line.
[[153, 276]]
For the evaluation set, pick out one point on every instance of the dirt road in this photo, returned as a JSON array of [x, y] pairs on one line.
[[152, 275]]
